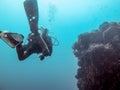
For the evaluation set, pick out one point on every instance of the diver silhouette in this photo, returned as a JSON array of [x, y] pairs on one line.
[[40, 43]]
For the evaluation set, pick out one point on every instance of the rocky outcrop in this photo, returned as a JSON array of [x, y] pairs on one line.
[[98, 54]]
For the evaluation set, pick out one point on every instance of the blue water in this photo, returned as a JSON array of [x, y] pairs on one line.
[[67, 19]]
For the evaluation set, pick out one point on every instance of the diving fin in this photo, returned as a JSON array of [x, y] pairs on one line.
[[12, 39], [31, 9]]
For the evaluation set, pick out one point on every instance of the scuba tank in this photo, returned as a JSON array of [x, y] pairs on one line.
[[12, 39]]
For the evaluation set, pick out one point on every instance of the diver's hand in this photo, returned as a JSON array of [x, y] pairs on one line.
[[41, 57]]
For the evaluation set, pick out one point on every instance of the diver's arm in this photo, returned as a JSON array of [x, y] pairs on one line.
[[20, 52], [23, 51]]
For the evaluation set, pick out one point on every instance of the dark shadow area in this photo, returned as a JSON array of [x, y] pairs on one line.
[[98, 54]]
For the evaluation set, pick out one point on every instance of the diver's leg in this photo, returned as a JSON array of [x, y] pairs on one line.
[[31, 9]]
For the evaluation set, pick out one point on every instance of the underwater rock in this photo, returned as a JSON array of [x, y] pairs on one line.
[[98, 54]]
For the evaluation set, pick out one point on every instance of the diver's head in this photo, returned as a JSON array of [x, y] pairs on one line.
[[0, 31]]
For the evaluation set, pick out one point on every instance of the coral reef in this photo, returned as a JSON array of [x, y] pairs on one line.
[[98, 54]]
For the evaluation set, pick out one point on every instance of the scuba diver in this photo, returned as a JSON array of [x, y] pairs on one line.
[[37, 43]]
